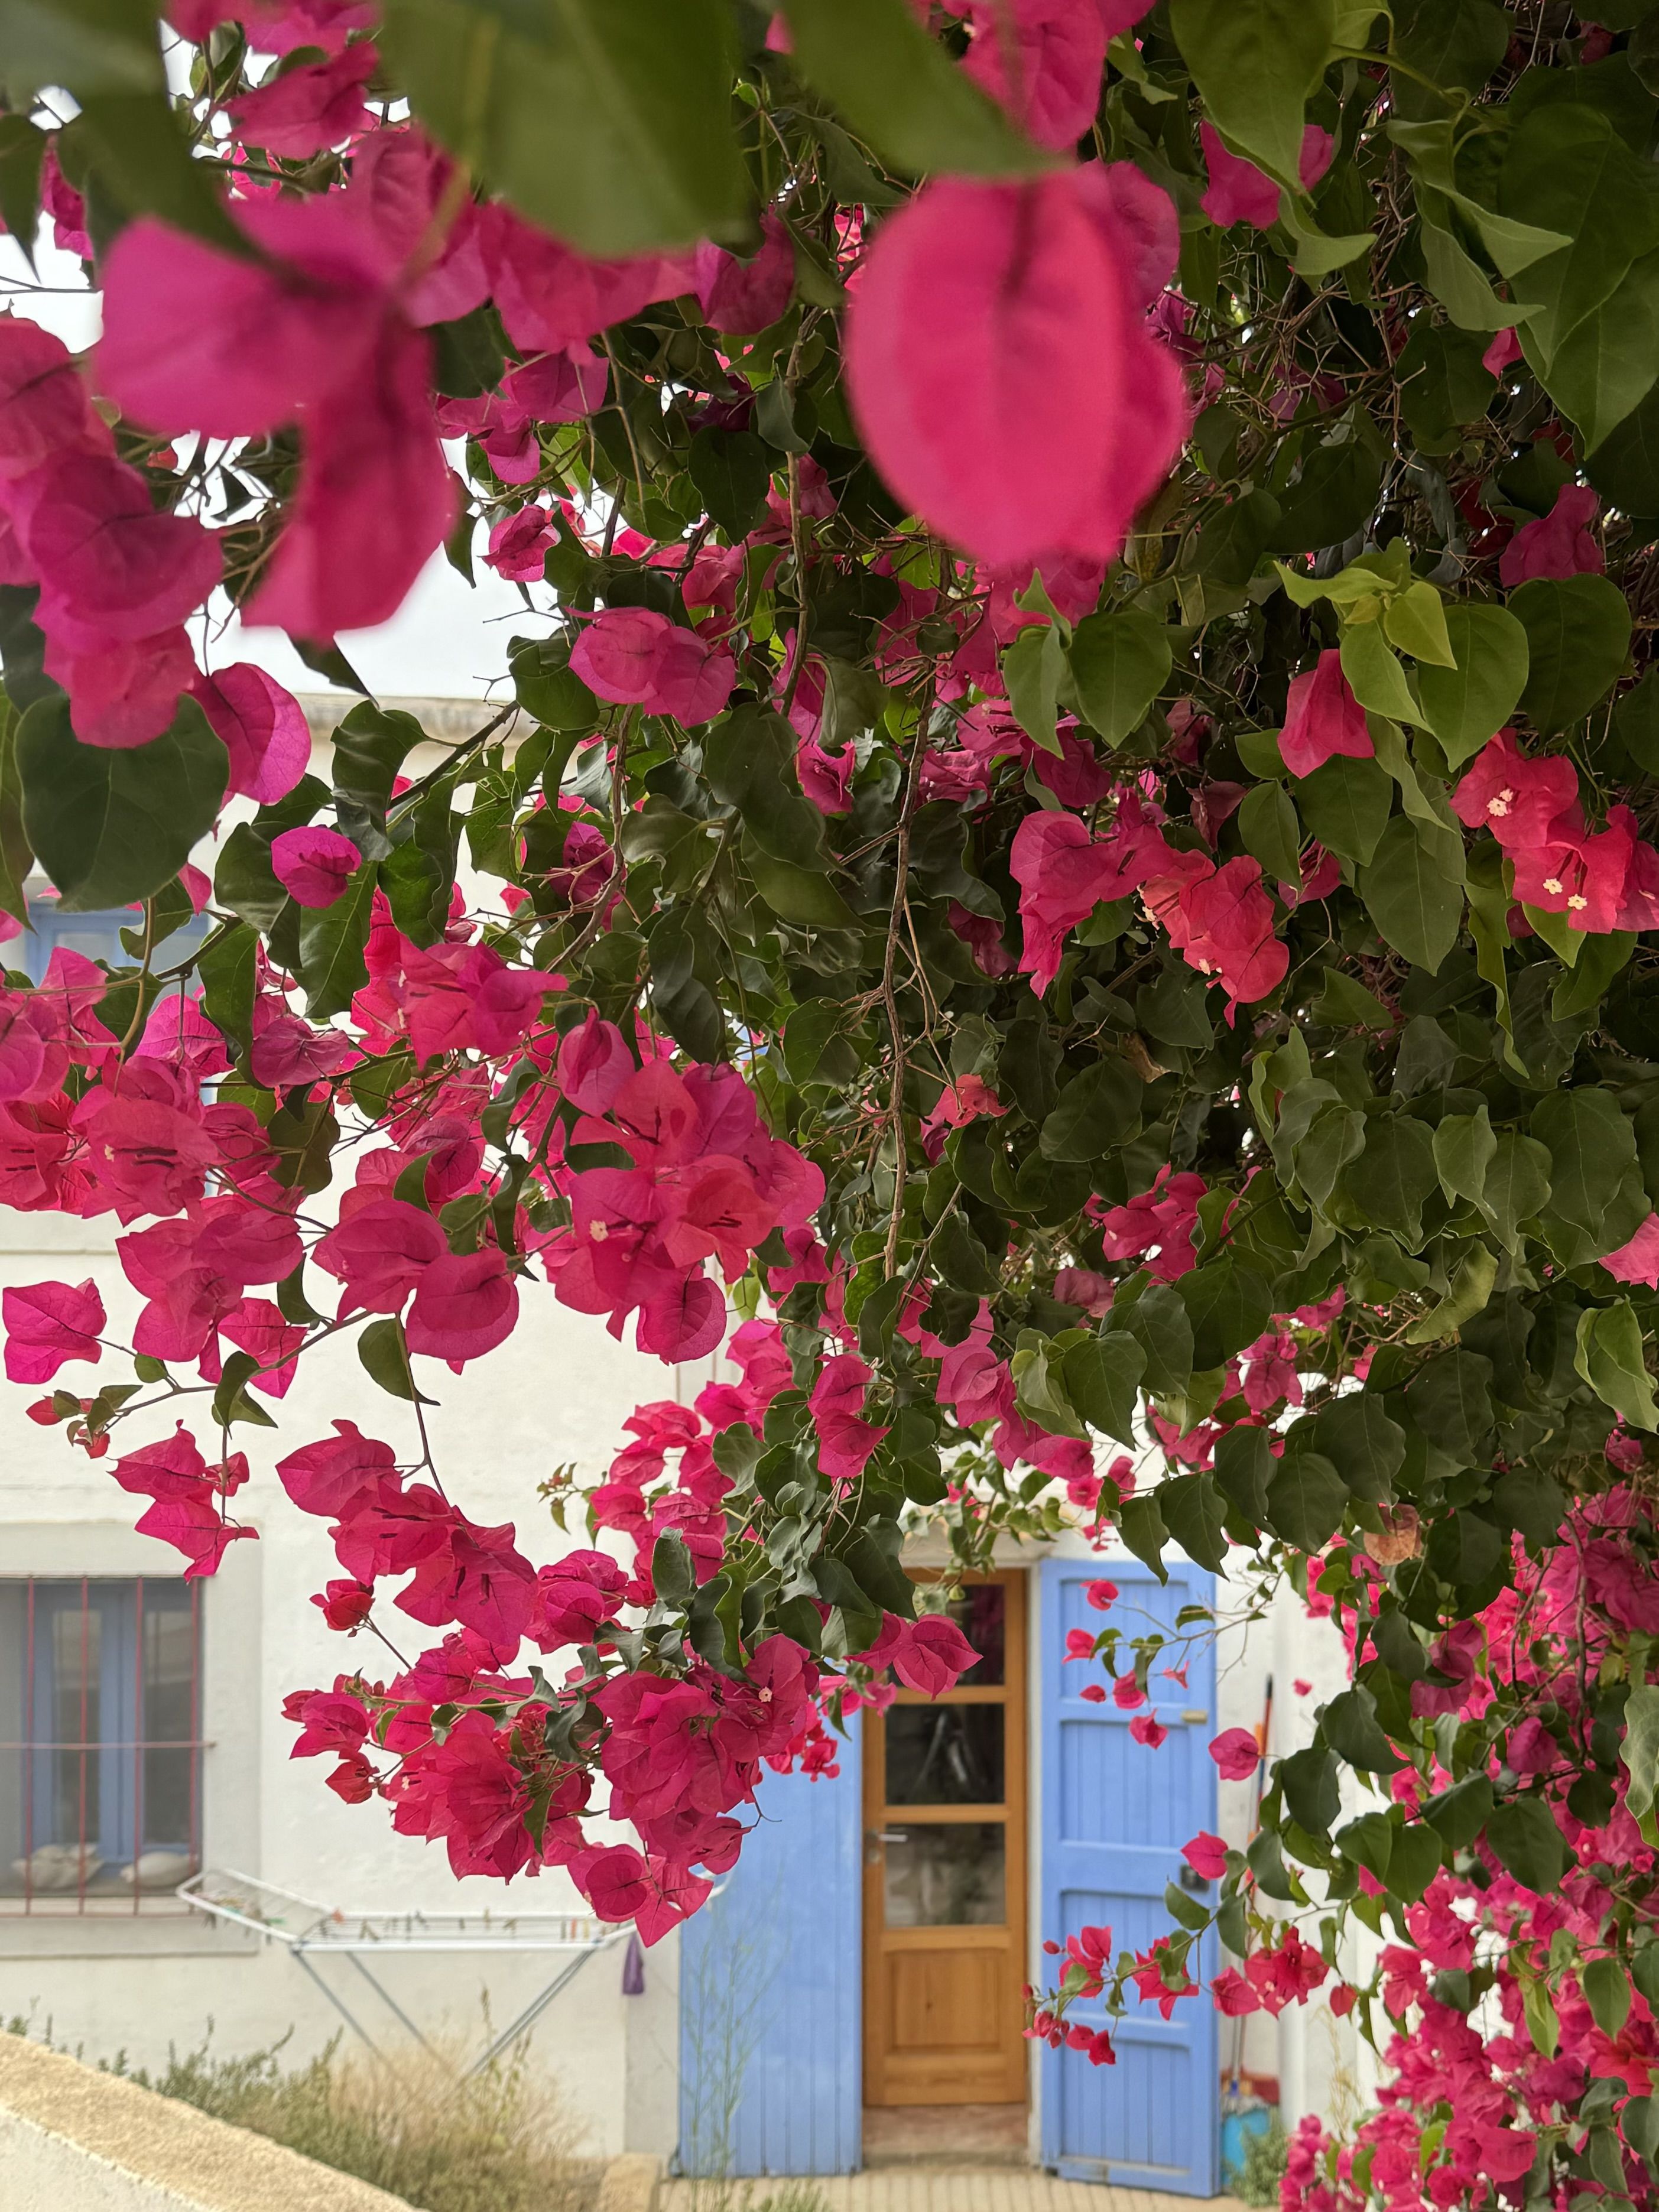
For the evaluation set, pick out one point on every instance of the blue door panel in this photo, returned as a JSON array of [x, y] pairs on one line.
[[1114, 1816], [771, 1983]]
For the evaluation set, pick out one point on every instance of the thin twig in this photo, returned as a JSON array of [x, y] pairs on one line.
[[901, 883]]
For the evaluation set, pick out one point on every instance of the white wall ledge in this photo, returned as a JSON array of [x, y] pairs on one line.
[[73, 2140]]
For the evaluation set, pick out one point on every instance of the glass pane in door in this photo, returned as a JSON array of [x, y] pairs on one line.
[[940, 1876], [941, 1754]]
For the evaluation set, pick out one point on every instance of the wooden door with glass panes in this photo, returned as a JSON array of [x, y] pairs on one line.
[[945, 1874]]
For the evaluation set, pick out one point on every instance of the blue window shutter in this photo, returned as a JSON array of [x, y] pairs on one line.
[[1114, 1816], [771, 1977], [96, 936]]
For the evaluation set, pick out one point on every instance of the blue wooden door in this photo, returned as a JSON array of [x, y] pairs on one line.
[[1114, 1816], [770, 1977]]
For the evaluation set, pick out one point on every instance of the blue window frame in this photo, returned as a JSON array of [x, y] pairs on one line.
[[96, 936], [100, 1737]]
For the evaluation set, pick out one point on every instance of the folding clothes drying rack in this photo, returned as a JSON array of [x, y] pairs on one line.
[[311, 1931]]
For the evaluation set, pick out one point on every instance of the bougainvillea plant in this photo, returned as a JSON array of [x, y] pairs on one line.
[[1068, 830]]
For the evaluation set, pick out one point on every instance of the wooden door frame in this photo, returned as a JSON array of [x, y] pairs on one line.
[[1014, 1813]]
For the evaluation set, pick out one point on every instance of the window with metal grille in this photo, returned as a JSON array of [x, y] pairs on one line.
[[101, 1744]]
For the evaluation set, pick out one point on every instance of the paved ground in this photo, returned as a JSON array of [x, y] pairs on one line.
[[924, 2189]]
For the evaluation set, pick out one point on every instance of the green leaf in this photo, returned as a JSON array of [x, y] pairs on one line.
[[1367, 1842], [962, 1260], [1457, 282], [545, 685], [799, 895], [1531, 1500], [1458, 1814], [1141, 1527], [16, 855], [1349, 1726], [1416, 622], [1159, 1321], [749, 761], [1267, 823], [1033, 669], [1527, 1841], [1306, 1500], [226, 964], [385, 1356], [1346, 806], [1592, 1147], [1102, 1378], [231, 1402], [1624, 467], [1453, 43], [1256, 63], [899, 89], [1120, 664], [22, 151], [1608, 1993], [1444, 384], [1605, 365], [1517, 1185], [331, 942], [1470, 1289], [1312, 1783], [111, 828], [673, 1574], [689, 1011], [128, 150], [1415, 904], [369, 747], [1362, 1442], [245, 881], [1464, 1147], [1577, 634], [1388, 1182], [1346, 1004], [1373, 674], [1334, 498], [1413, 1862], [1229, 1307], [1243, 1466], [607, 122], [1638, 1754], [1470, 702], [88, 46], [1095, 1112], [1608, 1355], [1450, 1400], [1567, 170], [1193, 1511], [732, 470]]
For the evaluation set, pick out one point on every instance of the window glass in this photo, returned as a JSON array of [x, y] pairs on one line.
[[945, 1755], [981, 1613], [937, 1876], [100, 1779]]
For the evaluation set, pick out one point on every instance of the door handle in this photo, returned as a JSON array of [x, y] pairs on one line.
[[875, 1838], [1194, 1713], [1192, 1879]]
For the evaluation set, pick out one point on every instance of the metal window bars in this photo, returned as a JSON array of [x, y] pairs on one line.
[[101, 1744], [311, 1931]]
